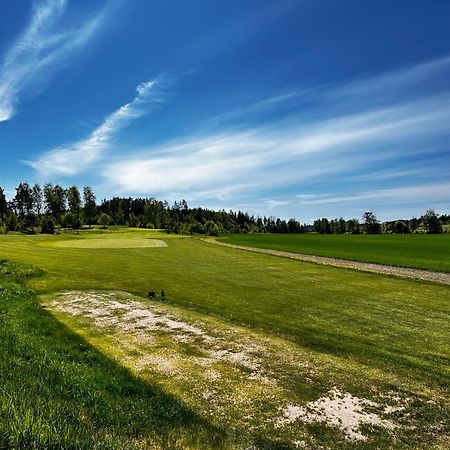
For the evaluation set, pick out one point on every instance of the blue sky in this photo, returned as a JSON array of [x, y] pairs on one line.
[[291, 108]]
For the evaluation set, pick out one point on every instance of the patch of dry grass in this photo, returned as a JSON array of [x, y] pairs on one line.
[[232, 376]]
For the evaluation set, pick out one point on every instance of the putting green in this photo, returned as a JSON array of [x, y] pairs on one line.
[[107, 243]]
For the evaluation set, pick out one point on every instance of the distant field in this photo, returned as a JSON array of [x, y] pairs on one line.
[[429, 252], [243, 345]]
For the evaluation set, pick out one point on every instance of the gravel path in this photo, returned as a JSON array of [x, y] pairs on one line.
[[440, 277]]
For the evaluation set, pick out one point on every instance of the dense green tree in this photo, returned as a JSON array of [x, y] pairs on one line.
[[12, 222], [352, 226], [48, 225], [49, 200], [370, 223], [54, 200], [77, 224], [74, 200], [211, 228], [120, 216], [23, 200], [29, 222], [413, 224], [90, 207], [431, 223], [104, 220], [132, 221], [3, 205], [68, 220], [37, 199], [60, 200], [400, 227], [342, 225], [293, 226]]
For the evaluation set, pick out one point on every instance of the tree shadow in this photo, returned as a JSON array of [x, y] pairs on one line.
[[64, 393]]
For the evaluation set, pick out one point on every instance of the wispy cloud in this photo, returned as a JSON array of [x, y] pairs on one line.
[[46, 45], [287, 153], [394, 82], [271, 203], [76, 157], [361, 92], [435, 192]]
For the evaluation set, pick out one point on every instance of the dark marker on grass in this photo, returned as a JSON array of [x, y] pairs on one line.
[[163, 295]]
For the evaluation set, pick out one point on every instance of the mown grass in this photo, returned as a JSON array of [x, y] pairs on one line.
[[244, 397], [59, 392], [387, 321], [429, 252], [389, 326]]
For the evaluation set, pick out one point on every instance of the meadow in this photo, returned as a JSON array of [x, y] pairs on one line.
[[246, 350], [429, 252]]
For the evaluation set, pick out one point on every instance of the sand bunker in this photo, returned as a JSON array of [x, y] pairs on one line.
[[109, 243]]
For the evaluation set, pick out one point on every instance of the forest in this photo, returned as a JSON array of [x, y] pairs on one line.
[[48, 209]]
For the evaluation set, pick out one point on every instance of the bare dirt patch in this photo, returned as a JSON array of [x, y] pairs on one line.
[[129, 316], [228, 373], [339, 409]]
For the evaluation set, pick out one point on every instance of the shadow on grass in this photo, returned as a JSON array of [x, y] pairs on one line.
[[58, 391]]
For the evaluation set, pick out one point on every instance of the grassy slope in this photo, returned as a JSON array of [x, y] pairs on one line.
[[429, 252], [392, 327], [57, 391], [382, 320]]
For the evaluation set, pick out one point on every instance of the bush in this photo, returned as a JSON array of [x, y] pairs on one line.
[[104, 220], [211, 228], [400, 227], [12, 222], [77, 223], [67, 220], [48, 225]]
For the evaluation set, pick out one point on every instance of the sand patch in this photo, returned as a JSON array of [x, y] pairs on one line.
[[342, 410], [129, 316], [219, 369], [240, 358]]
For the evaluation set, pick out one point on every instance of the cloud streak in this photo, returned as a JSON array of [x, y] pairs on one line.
[[438, 192], [77, 157], [47, 44], [288, 153]]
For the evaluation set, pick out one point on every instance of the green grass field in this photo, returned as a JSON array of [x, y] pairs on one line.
[[429, 252], [244, 342]]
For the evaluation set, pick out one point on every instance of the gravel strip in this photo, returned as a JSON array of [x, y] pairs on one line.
[[439, 277]]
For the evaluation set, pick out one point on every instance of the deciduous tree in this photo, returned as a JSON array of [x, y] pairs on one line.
[[90, 207], [371, 223], [431, 223]]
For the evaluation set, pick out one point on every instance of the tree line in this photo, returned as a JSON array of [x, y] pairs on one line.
[[428, 223], [50, 208]]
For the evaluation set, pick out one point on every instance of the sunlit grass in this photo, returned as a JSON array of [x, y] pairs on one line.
[[429, 252], [366, 333]]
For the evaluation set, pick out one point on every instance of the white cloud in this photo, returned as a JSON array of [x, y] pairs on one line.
[[385, 88], [44, 47], [436, 192], [77, 157], [288, 153], [391, 83], [271, 204]]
